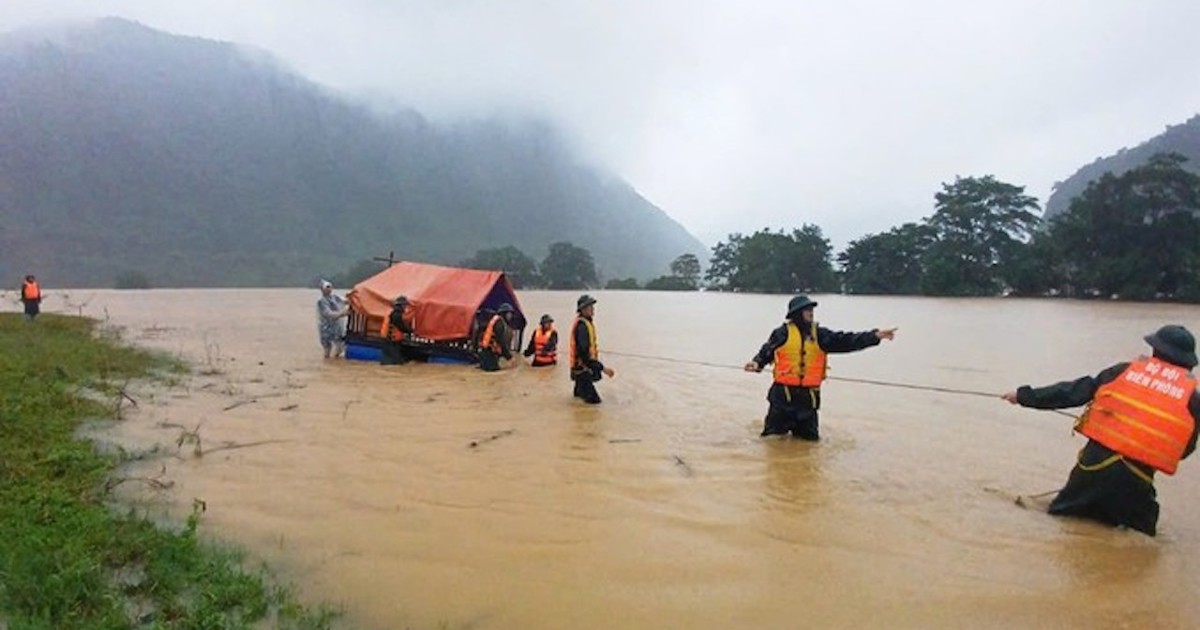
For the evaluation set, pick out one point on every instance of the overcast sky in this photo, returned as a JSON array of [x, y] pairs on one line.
[[733, 116]]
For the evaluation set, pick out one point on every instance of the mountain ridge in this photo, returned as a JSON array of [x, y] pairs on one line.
[[1183, 138], [197, 163]]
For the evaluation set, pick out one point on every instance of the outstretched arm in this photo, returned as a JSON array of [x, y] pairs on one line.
[[836, 341], [1064, 394]]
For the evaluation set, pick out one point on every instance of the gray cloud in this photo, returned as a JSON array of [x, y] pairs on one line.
[[736, 116]]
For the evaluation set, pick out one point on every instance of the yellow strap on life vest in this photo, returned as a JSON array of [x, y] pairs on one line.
[[1141, 474], [1109, 461]]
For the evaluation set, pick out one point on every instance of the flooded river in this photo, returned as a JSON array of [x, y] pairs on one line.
[[431, 496]]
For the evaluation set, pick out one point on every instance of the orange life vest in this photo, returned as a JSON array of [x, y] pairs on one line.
[[387, 331], [800, 362], [489, 339], [1143, 414], [593, 347], [31, 292], [540, 339]]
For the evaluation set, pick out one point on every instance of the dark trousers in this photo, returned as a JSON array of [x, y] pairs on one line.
[[489, 361], [794, 410], [393, 354], [32, 309], [585, 386], [1110, 492]]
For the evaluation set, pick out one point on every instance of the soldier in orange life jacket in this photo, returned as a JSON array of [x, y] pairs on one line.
[[396, 326], [586, 367], [31, 296], [543, 343], [798, 349], [1141, 418], [496, 339]]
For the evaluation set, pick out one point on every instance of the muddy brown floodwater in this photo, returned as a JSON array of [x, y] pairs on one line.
[[433, 496]]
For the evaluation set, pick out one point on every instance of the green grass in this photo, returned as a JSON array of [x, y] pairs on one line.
[[68, 559]]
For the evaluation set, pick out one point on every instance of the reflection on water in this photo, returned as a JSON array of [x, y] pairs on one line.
[[439, 496]]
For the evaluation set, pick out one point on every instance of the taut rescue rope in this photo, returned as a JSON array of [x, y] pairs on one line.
[[865, 381]]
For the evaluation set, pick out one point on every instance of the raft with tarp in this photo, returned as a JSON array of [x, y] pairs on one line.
[[450, 306]]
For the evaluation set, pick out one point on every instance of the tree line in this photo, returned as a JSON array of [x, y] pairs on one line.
[[1130, 236], [566, 266]]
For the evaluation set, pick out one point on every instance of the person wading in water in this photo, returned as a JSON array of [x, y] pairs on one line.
[[1141, 418], [586, 367], [798, 349]]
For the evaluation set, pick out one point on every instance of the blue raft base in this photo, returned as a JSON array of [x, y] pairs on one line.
[[357, 352], [362, 352], [448, 360]]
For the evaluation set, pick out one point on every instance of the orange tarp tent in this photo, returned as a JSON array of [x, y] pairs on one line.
[[444, 299]]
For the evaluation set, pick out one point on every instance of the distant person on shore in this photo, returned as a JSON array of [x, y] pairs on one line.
[[396, 327], [31, 297], [331, 323], [543, 343], [1141, 418], [798, 349], [586, 367], [497, 339]]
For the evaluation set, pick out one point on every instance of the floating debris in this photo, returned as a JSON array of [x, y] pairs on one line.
[[492, 437]]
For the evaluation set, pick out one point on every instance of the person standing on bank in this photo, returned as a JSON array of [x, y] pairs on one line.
[[798, 349], [31, 296], [1141, 418], [543, 343], [586, 367], [496, 339], [331, 324], [396, 326]]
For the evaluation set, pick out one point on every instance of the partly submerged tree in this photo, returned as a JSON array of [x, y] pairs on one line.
[[684, 276], [1135, 235], [522, 271], [887, 263], [622, 283], [774, 262], [979, 225], [686, 267], [568, 267]]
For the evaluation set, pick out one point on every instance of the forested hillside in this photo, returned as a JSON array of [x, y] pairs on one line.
[[201, 163], [1183, 139]]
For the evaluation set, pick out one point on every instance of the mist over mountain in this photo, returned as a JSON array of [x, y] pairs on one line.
[[202, 163], [1183, 139]]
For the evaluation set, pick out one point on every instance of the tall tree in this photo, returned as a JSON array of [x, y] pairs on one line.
[[888, 263], [1136, 235], [522, 271], [1039, 268], [686, 267], [568, 267], [723, 265], [979, 224], [774, 262]]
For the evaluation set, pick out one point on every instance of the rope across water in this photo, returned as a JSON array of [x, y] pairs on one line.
[[865, 381]]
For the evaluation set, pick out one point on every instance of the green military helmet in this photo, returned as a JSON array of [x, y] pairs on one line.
[[1174, 343], [799, 303]]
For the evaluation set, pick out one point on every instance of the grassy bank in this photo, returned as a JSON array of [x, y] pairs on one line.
[[68, 559]]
